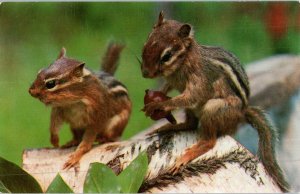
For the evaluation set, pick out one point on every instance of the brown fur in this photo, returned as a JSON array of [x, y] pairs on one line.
[[212, 85], [88, 102]]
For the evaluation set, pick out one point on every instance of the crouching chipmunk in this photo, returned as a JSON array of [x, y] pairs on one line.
[[214, 92], [95, 105]]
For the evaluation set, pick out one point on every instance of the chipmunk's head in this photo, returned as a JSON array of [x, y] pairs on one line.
[[166, 47], [55, 84]]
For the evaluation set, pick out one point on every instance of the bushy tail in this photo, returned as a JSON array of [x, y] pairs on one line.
[[110, 59], [266, 150]]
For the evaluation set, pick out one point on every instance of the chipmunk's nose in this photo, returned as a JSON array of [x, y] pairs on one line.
[[146, 73], [34, 92]]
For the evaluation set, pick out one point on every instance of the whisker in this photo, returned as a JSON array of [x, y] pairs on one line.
[[139, 60]]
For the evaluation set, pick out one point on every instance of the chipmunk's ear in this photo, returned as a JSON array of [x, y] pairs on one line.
[[161, 18], [62, 53], [78, 71], [185, 31]]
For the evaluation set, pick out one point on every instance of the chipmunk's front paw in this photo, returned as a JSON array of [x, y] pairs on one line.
[[71, 162], [150, 108], [54, 140]]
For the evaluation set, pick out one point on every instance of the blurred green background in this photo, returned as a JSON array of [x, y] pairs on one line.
[[32, 34]]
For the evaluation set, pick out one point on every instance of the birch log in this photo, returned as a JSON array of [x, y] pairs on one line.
[[228, 167], [273, 80]]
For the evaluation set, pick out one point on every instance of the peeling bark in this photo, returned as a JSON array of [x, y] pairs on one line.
[[228, 158]]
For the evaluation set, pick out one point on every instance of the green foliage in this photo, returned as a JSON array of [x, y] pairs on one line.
[[101, 179], [16, 180], [3, 189], [132, 177], [58, 185]]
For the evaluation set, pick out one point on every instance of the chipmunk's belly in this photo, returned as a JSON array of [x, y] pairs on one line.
[[76, 116]]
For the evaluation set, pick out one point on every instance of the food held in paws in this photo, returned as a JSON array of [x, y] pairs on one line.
[[157, 96]]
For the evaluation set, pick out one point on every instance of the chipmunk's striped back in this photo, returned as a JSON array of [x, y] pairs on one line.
[[114, 86], [232, 68]]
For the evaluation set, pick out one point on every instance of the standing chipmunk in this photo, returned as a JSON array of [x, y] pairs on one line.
[[95, 105], [214, 92]]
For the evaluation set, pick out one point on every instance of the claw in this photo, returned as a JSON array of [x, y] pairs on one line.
[[72, 162], [54, 140], [150, 108], [176, 169], [182, 161]]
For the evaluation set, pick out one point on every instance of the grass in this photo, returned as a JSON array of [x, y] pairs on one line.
[[31, 35]]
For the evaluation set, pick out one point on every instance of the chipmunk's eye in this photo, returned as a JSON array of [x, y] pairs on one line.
[[50, 84], [166, 57]]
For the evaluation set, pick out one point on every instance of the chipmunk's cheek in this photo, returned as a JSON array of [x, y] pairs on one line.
[[166, 72], [48, 103], [154, 75], [46, 99], [169, 69]]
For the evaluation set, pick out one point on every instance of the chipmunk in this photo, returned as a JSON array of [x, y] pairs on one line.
[[95, 105], [214, 91]]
